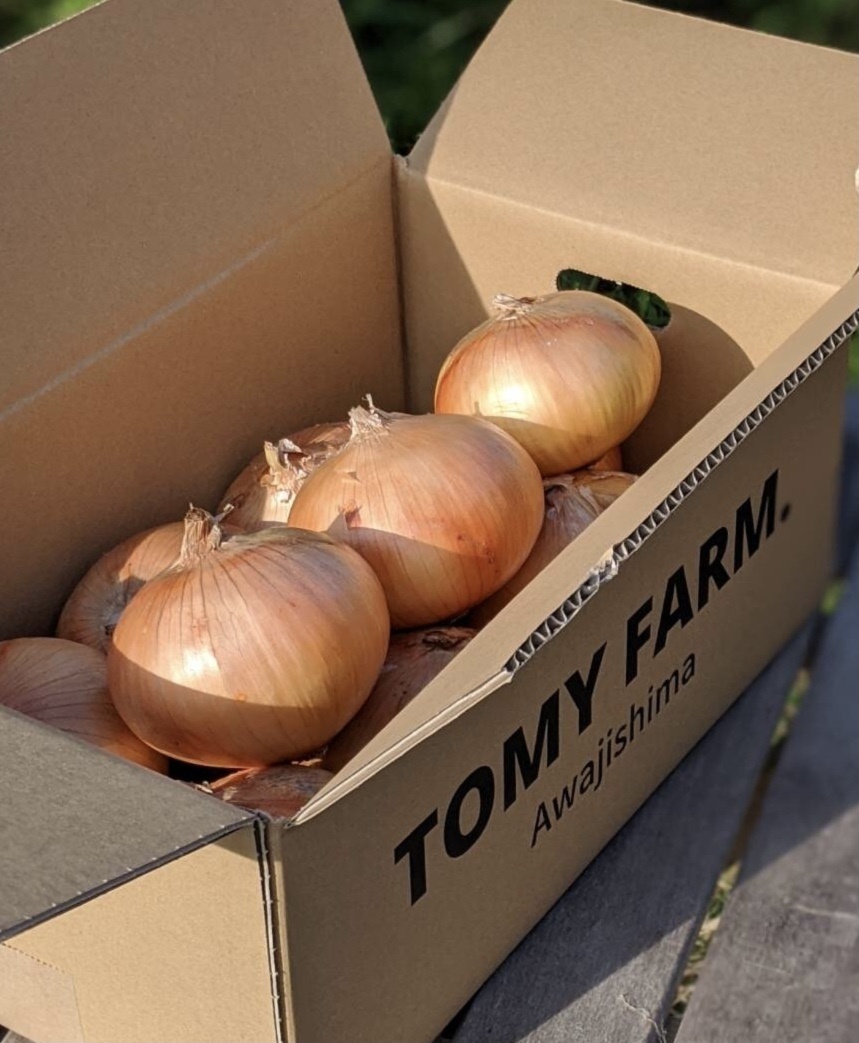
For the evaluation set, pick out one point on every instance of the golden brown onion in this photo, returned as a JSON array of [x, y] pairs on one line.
[[573, 501], [611, 461], [414, 658], [262, 494], [569, 375], [253, 650], [64, 684], [280, 791], [92, 611], [445, 508]]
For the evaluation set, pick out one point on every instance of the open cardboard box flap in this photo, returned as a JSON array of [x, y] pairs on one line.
[[154, 147], [616, 114], [196, 205]]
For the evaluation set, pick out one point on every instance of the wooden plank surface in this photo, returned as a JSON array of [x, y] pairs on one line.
[[784, 965], [603, 964]]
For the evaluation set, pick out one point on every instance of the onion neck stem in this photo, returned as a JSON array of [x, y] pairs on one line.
[[283, 473], [512, 307], [369, 422], [203, 535]]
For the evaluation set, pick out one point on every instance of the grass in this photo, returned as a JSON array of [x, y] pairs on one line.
[[700, 947]]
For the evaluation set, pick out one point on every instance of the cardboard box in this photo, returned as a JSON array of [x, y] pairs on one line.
[[208, 242]]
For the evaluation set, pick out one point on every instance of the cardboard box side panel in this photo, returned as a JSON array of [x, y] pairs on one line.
[[450, 246], [147, 148], [64, 841], [503, 807], [678, 130], [293, 333], [179, 955]]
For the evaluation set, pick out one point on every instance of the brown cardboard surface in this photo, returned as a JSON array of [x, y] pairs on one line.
[[401, 967], [75, 820], [180, 954], [206, 260], [677, 130], [39, 998], [146, 149]]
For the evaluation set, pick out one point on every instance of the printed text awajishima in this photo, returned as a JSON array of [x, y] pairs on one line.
[[453, 828]]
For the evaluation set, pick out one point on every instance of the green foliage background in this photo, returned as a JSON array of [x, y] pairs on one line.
[[413, 50]]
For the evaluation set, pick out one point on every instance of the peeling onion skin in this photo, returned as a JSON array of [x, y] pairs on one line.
[[251, 651], [64, 684], [569, 375], [93, 609], [573, 501], [601, 488], [444, 508], [414, 658], [280, 791], [263, 493]]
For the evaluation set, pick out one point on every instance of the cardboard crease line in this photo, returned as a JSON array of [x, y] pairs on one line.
[[180, 303], [10, 930]]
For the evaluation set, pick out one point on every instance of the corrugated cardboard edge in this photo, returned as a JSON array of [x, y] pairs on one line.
[[602, 573], [132, 872], [608, 567]]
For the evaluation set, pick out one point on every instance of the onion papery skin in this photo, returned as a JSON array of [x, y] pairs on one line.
[[251, 651], [601, 488], [93, 609], [64, 684], [414, 658], [280, 791], [573, 501], [569, 375], [263, 493], [444, 508]]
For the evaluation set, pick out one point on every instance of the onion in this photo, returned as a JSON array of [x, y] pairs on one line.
[[64, 684], [92, 611], [573, 501], [445, 508], [611, 461], [252, 650], [569, 375], [280, 791], [262, 494], [414, 659]]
